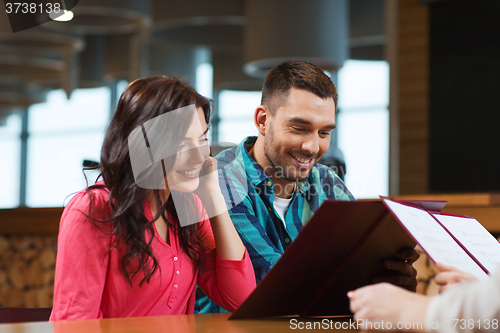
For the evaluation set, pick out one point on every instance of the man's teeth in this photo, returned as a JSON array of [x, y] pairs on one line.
[[302, 160]]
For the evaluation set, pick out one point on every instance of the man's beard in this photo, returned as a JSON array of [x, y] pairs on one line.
[[277, 161]]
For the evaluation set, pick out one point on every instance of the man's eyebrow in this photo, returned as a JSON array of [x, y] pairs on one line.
[[307, 122]]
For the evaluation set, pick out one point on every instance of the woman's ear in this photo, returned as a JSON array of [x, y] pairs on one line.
[[261, 118]]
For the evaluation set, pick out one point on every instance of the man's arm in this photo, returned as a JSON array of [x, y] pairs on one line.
[[263, 253]]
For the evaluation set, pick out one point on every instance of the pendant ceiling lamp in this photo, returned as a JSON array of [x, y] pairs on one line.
[[29, 69], [103, 17], [38, 55], [126, 57], [278, 30], [14, 94], [91, 62], [4, 114], [17, 94], [217, 24], [367, 36], [177, 61]]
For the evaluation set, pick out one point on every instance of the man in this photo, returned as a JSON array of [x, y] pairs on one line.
[[272, 182]]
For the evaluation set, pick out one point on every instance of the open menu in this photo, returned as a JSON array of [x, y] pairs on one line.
[[458, 241], [344, 244]]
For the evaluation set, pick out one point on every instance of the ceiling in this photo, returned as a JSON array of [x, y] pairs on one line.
[[111, 40]]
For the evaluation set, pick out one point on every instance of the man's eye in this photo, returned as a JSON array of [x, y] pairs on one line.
[[298, 129], [324, 133]]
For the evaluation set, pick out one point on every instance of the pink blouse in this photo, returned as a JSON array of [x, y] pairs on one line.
[[89, 282]]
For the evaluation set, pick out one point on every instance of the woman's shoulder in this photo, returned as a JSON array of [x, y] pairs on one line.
[[86, 219], [93, 199]]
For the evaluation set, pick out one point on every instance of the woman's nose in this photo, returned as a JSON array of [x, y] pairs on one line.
[[199, 154]]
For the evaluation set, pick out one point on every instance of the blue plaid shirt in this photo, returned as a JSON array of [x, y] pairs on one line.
[[249, 195]]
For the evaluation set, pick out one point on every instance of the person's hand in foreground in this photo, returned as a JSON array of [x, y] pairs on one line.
[[384, 306], [405, 274], [449, 277]]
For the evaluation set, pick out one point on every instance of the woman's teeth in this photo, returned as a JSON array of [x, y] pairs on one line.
[[190, 172]]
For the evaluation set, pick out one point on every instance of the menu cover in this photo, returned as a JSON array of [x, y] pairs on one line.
[[341, 248]]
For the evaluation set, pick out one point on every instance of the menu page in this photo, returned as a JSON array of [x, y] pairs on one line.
[[478, 241], [433, 238]]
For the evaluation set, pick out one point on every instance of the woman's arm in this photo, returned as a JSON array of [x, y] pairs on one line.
[[385, 306], [468, 308], [81, 264], [227, 240]]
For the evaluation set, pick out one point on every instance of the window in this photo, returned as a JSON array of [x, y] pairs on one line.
[[63, 133], [10, 157], [363, 126], [236, 110]]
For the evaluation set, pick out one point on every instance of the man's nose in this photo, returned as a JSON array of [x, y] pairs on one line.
[[311, 144]]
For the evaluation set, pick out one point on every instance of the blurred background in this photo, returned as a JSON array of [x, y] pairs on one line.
[[60, 81], [418, 85]]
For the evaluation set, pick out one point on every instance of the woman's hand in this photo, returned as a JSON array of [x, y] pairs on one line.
[[208, 189], [385, 306], [208, 178], [450, 276], [227, 241]]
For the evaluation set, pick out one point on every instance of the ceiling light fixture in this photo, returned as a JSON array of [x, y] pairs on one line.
[[67, 16]]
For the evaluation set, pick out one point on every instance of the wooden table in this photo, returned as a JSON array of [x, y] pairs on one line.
[[209, 323]]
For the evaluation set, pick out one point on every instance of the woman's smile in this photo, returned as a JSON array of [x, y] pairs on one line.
[[191, 173]]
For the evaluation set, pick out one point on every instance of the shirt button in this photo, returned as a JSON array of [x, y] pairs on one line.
[[177, 272], [269, 209], [175, 286], [175, 258], [287, 240], [269, 183]]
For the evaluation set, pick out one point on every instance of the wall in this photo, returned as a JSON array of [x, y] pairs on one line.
[[28, 246], [412, 95]]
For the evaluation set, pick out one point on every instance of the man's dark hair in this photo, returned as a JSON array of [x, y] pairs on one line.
[[295, 74]]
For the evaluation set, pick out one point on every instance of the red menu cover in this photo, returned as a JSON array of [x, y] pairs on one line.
[[341, 248]]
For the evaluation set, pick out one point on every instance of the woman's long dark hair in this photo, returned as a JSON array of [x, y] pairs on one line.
[[143, 100]]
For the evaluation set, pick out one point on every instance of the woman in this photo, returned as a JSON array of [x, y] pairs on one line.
[[130, 245]]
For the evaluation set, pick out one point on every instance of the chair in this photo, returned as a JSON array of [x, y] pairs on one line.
[[20, 315]]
